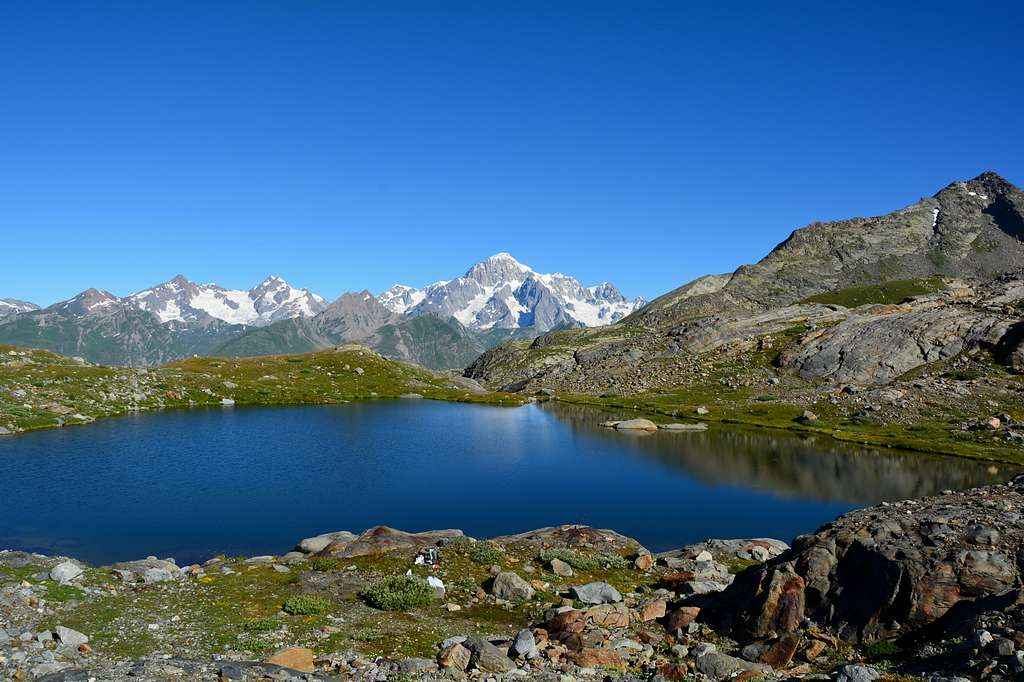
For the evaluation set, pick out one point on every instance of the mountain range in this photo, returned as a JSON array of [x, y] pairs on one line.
[[961, 240], [444, 325]]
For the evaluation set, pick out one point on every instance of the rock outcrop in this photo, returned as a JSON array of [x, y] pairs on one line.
[[886, 570]]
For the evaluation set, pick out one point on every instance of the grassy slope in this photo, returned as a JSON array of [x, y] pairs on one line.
[[895, 291], [39, 389]]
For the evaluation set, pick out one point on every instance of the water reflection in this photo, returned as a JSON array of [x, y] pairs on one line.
[[807, 466]]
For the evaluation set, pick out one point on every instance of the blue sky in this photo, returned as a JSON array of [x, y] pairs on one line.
[[349, 145]]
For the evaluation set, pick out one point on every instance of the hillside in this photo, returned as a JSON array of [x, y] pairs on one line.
[[969, 231], [39, 389]]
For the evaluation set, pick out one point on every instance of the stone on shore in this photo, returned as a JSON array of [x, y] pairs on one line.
[[636, 425], [65, 572]]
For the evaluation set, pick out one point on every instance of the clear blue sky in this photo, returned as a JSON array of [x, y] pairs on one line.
[[349, 145]]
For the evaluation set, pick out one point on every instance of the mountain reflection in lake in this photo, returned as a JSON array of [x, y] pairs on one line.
[[192, 484], [804, 465]]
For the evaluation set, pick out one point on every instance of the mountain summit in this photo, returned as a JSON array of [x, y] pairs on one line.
[[273, 299], [502, 293]]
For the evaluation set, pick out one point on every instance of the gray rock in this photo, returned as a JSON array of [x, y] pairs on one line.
[[156, 575], [719, 666], [319, 543], [487, 657], [68, 638], [596, 593], [524, 645], [636, 425], [508, 585], [65, 572], [684, 428], [857, 673], [560, 568]]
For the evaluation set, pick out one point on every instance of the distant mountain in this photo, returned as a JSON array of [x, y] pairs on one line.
[[12, 306], [273, 299], [500, 292], [166, 322], [447, 324], [444, 325]]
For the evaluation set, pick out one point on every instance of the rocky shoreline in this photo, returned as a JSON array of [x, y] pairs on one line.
[[921, 588]]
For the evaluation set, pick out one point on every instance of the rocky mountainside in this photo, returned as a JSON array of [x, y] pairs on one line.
[[500, 292], [12, 306], [876, 296]]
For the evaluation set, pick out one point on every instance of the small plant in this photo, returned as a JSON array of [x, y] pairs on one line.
[[367, 635], [399, 592], [582, 562], [882, 650], [485, 553], [962, 375], [262, 625], [306, 605]]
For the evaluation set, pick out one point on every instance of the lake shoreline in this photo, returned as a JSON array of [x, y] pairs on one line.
[[566, 599]]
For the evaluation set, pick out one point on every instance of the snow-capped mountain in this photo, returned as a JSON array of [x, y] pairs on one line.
[[12, 306], [501, 292], [273, 299]]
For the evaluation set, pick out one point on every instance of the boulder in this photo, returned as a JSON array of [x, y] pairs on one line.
[[487, 657], [68, 638], [596, 593], [524, 645], [684, 428], [507, 585], [294, 658], [319, 543], [877, 572], [719, 666], [560, 568], [455, 656], [636, 425], [65, 572], [381, 539]]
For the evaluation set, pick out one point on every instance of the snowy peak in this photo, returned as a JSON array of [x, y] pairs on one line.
[[182, 300], [89, 302], [13, 306], [400, 298], [501, 292]]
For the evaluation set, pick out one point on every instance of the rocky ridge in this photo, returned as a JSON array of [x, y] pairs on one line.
[[960, 245]]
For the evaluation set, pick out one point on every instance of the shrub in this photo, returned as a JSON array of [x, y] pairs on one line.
[[485, 553], [262, 625], [399, 592], [306, 605]]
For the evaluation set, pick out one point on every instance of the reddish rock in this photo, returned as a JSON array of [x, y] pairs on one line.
[[652, 610], [609, 615], [643, 562], [599, 658], [682, 617], [455, 657], [781, 653], [675, 672], [295, 658], [381, 539], [813, 649], [675, 581]]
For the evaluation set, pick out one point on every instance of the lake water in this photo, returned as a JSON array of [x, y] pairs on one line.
[[193, 484]]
